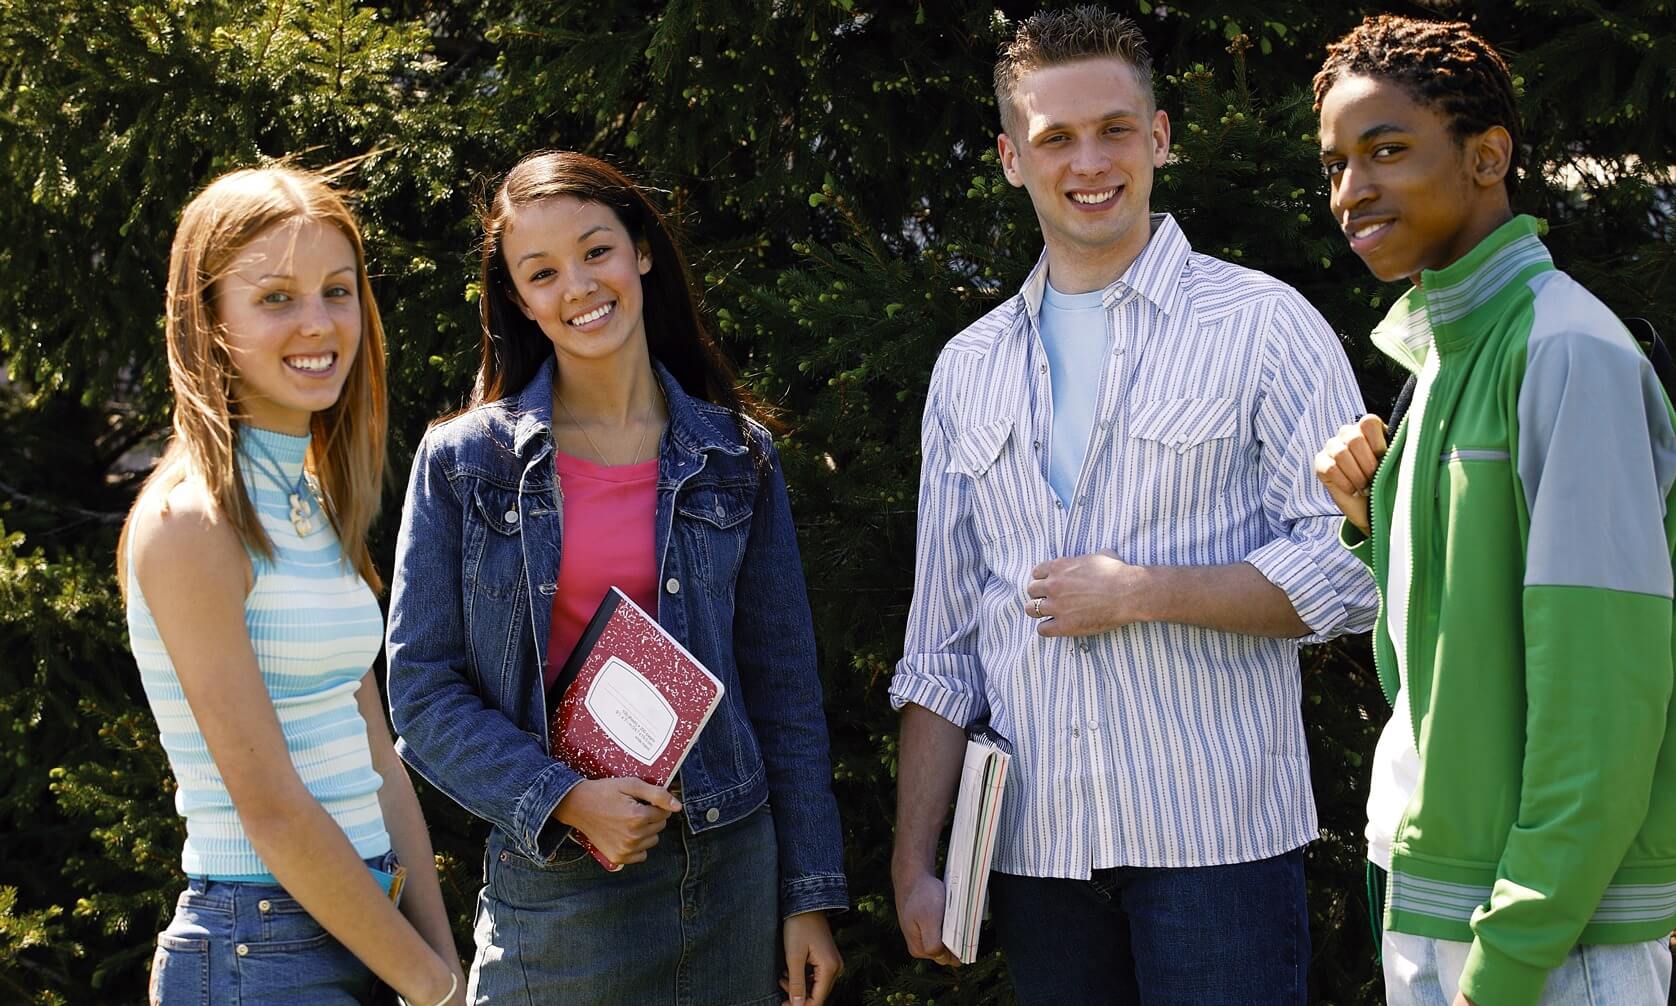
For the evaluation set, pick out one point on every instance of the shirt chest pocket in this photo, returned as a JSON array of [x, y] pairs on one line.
[[714, 521], [494, 545], [1184, 453], [1002, 489]]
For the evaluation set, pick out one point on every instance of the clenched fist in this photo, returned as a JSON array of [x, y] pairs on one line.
[[1346, 465]]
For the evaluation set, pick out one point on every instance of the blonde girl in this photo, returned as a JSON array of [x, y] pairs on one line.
[[252, 615]]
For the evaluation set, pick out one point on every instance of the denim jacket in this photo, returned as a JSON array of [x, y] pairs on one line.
[[476, 565]]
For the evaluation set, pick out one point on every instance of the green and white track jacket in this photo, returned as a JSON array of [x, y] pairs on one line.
[[1540, 643]]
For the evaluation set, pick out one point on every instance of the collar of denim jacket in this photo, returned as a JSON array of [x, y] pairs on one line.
[[694, 426]]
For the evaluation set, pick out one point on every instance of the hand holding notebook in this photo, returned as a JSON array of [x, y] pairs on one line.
[[629, 703], [977, 811]]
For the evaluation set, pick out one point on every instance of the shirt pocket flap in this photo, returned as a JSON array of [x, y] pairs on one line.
[[977, 448], [1184, 422], [498, 507], [723, 506]]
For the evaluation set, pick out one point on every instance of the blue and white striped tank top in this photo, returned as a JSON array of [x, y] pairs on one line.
[[316, 628]]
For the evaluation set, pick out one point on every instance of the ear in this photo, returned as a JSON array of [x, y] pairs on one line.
[[512, 295], [1492, 156], [1009, 159], [1160, 138], [643, 256]]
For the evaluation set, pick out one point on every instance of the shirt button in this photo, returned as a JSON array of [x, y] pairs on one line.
[[1075, 732], [265, 905], [243, 950], [672, 585], [712, 814], [1058, 504], [1044, 368], [511, 516]]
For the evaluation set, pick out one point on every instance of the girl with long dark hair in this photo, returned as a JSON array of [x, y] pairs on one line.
[[607, 445]]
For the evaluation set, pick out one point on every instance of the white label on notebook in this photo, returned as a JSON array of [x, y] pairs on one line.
[[633, 712]]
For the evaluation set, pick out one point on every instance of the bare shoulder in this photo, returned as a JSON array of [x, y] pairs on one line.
[[182, 542]]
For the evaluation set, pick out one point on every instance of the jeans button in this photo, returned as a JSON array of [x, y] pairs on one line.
[[511, 516], [265, 905], [672, 585], [242, 950], [712, 814]]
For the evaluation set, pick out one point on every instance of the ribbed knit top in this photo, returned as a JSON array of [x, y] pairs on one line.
[[315, 627]]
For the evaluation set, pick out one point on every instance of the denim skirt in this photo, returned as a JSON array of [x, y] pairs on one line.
[[696, 924], [254, 945]]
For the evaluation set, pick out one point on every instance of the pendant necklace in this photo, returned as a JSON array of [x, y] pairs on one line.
[[646, 428], [301, 494]]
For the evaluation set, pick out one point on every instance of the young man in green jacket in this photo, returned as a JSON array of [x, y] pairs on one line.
[[1523, 802]]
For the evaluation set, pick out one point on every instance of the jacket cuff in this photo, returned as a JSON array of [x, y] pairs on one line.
[[823, 892], [1355, 542], [1313, 596], [1491, 978], [537, 834]]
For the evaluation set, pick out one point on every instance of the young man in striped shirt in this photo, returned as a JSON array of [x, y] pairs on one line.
[[1121, 547], [1523, 802]]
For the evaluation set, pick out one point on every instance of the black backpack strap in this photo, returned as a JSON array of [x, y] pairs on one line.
[[1405, 398], [1664, 365]]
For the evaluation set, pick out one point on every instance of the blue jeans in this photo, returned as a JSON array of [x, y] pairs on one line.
[[696, 923], [1193, 936], [254, 945], [1420, 971]]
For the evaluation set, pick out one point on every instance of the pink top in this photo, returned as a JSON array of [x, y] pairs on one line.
[[608, 541]]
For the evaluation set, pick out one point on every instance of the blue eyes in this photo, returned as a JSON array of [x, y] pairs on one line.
[[334, 292]]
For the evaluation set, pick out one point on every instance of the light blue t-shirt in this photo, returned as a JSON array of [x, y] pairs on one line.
[[1077, 340]]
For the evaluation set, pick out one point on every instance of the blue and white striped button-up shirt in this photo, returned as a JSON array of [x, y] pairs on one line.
[[1159, 744]]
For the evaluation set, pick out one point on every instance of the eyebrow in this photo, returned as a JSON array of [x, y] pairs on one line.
[[1370, 133], [285, 275], [1122, 113]]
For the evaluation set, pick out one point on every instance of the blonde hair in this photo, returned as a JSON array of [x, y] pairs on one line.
[[347, 452], [1058, 37]]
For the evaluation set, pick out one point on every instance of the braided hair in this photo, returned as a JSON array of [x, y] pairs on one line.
[[1441, 64]]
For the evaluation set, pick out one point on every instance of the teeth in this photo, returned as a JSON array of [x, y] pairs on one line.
[[1098, 197], [1363, 232], [318, 363], [594, 315]]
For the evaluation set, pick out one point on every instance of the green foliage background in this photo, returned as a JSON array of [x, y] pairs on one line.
[[831, 162]]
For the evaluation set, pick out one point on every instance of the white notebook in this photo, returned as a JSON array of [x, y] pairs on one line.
[[977, 811]]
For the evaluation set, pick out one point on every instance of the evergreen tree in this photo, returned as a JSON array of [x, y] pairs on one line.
[[832, 163]]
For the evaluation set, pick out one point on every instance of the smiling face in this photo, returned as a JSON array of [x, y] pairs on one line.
[[1408, 193], [576, 273], [1085, 143], [290, 310]]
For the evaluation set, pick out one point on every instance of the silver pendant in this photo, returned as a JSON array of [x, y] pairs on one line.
[[300, 514]]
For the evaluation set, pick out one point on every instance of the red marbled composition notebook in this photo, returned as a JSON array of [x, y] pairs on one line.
[[630, 701]]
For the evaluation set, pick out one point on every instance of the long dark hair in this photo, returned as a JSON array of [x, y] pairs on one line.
[[514, 346]]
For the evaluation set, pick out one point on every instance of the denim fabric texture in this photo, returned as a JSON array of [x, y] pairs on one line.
[[1234, 935], [1420, 971], [694, 925], [254, 945], [471, 603]]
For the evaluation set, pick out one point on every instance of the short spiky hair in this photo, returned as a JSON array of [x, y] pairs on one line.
[[1440, 63], [1053, 38]]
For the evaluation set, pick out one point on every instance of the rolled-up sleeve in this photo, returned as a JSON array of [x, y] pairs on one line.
[[1308, 392], [939, 668]]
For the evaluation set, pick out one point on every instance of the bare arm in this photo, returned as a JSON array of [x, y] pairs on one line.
[[422, 895], [931, 752], [1090, 594], [194, 574]]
